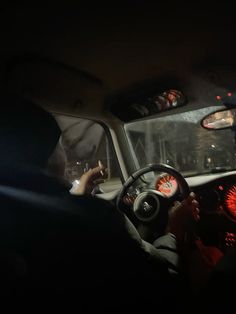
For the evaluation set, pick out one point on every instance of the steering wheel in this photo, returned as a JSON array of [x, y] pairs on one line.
[[149, 203]]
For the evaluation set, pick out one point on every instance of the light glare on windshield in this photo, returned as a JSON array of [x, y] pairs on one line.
[[180, 141]]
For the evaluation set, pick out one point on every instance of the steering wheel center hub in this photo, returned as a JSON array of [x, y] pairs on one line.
[[146, 206]]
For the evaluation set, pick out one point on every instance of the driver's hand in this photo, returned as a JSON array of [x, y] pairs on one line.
[[90, 179], [181, 216]]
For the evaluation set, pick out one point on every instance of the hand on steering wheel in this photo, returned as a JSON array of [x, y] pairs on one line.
[[150, 205], [181, 214]]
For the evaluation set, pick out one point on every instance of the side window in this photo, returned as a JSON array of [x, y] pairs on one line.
[[85, 143]]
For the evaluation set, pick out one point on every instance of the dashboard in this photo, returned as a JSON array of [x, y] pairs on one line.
[[217, 199], [216, 194], [219, 196]]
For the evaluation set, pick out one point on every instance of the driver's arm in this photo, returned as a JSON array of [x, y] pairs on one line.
[[89, 180], [181, 216], [165, 249]]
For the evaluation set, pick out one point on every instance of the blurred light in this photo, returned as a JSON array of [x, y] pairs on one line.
[[213, 146], [230, 201], [229, 94], [230, 239], [218, 97], [221, 187]]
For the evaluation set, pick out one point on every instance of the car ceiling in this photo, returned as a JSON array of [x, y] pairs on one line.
[[119, 45]]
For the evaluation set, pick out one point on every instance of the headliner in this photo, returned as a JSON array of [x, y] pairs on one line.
[[118, 45]]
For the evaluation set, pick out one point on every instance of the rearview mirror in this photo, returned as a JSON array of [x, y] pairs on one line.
[[220, 120]]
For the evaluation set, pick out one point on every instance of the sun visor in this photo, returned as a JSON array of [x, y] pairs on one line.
[[147, 99]]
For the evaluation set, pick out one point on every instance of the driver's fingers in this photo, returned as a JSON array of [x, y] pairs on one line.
[[195, 214], [191, 200], [95, 173], [195, 203], [197, 210], [192, 196], [190, 206]]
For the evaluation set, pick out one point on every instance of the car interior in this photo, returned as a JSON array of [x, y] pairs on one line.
[[148, 91]]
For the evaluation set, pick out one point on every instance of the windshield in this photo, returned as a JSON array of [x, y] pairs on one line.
[[180, 141]]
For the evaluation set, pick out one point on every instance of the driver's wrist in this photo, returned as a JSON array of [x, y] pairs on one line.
[[78, 188]]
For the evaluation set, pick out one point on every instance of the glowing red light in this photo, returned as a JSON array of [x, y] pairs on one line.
[[218, 97], [167, 185], [230, 239], [229, 94], [230, 200], [220, 187]]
